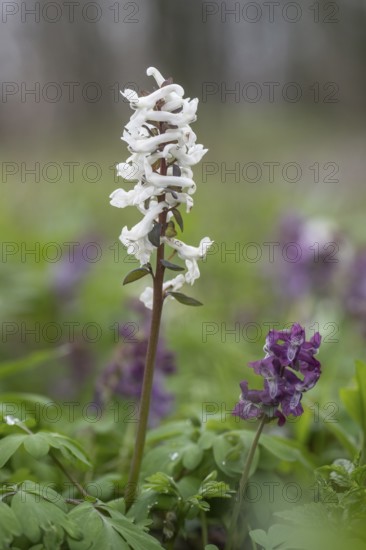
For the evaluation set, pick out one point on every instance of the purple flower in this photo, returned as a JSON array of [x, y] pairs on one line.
[[355, 298], [72, 268], [307, 256], [123, 376], [289, 369]]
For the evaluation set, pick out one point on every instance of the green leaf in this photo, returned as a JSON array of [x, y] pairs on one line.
[[170, 231], [274, 539], [352, 405], [135, 275], [36, 445], [154, 235], [20, 397], [178, 218], [107, 529], [215, 489], [361, 382], [176, 170], [70, 449], [163, 457], [192, 456], [354, 398], [171, 266], [284, 449], [44, 491], [260, 537], [315, 514], [9, 526], [206, 440], [37, 515], [162, 483], [9, 368], [183, 299], [142, 506], [230, 453], [350, 398], [169, 430], [9, 445]]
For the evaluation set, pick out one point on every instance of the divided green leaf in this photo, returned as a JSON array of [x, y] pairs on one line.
[[9, 526], [42, 519], [38, 445], [106, 528]]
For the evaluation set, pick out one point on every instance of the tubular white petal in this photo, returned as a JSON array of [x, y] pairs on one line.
[[148, 101], [146, 297], [129, 94], [121, 198], [140, 248], [182, 198], [166, 181], [128, 171], [144, 227], [155, 73], [175, 284], [186, 251], [190, 254], [150, 144], [135, 197], [193, 271]]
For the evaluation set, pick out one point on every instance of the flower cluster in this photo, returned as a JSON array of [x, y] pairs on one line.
[[70, 271], [310, 255], [123, 375], [289, 369], [355, 298], [163, 149]]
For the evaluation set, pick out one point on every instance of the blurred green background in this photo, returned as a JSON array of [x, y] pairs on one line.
[[311, 57]]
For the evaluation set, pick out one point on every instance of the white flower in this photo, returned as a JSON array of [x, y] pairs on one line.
[[128, 171], [163, 149], [144, 227], [159, 79], [190, 254], [173, 285], [168, 180], [135, 197], [152, 143], [181, 198], [129, 94], [187, 152], [141, 249], [169, 92], [136, 239]]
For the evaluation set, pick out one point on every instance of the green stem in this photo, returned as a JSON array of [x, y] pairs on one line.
[[233, 531], [59, 464], [158, 299], [71, 478]]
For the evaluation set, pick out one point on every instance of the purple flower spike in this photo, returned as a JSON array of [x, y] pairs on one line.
[[288, 370], [123, 376], [305, 265]]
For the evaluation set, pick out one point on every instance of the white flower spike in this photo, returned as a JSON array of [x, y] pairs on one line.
[[163, 149]]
